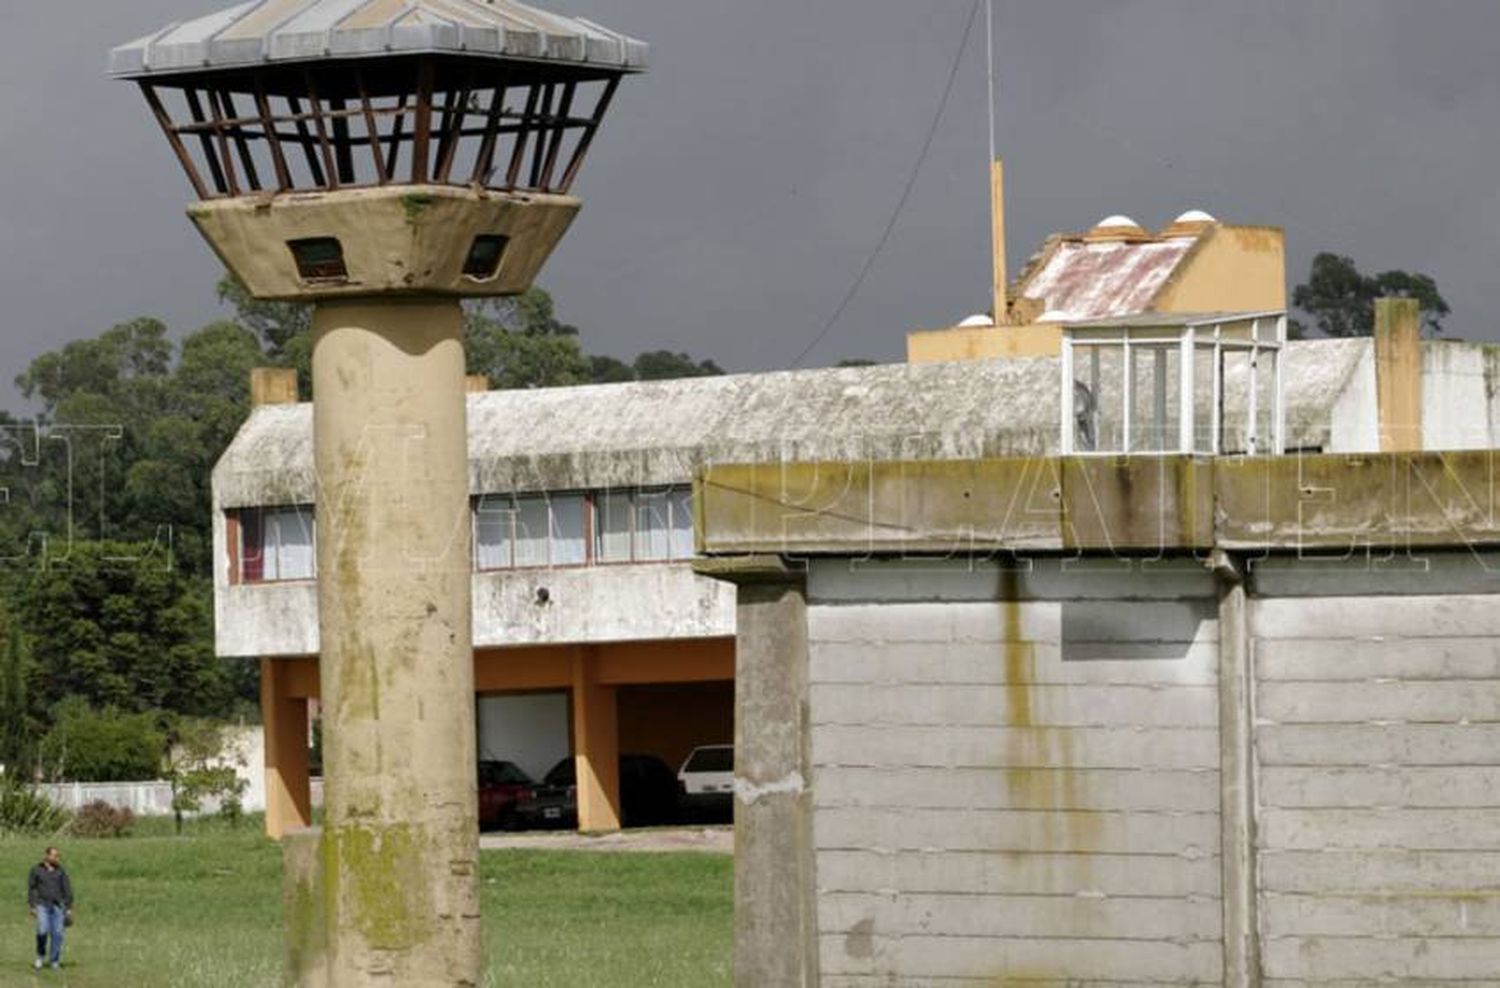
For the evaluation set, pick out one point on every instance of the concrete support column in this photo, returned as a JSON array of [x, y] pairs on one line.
[[775, 888], [273, 386], [596, 747], [288, 785], [400, 836], [1237, 778], [1398, 373]]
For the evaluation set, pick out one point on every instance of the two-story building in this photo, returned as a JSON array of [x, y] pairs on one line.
[[594, 637]]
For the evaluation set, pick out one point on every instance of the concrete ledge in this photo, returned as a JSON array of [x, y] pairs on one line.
[[1323, 503], [400, 239]]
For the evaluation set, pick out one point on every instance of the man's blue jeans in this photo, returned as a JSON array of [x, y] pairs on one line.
[[50, 922]]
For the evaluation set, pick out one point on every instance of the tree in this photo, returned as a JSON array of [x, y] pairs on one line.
[[519, 343], [131, 434], [278, 324], [18, 724], [609, 370], [663, 365], [116, 625], [200, 766], [1341, 300], [86, 744], [120, 365]]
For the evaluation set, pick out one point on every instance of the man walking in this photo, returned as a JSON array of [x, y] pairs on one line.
[[50, 896]]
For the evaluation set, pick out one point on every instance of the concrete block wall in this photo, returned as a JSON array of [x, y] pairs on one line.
[[1377, 699], [1015, 774]]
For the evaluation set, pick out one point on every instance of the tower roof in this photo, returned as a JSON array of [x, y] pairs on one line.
[[278, 31]]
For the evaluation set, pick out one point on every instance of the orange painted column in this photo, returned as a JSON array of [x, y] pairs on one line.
[[596, 746], [288, 786]]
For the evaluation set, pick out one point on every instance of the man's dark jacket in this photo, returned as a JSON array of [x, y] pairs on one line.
[[49, 887]]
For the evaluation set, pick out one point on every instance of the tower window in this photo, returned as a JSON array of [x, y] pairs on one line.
[[483, 261], [319, 259]]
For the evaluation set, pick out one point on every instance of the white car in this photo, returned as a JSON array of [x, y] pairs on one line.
[[705, 783]]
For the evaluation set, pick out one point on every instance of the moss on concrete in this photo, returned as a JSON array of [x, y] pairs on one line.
[[1135, 504], [377, 875]]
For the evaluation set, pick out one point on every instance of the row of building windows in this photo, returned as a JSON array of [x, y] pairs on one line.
[[510, 532]]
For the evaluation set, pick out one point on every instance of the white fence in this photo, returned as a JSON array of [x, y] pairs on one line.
[[247, 755], [141, 798]]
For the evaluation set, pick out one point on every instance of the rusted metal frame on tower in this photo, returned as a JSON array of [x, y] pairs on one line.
[[343, 147], [225, 157], [304, 137], [370, 125], [453, 127], [320, 124], [453, 113], [421, 142], [226, 101], [290, 117], [582, 150], [205, 137], [560, 127], [273, 138], [175, 139], [552, 120], [484, 161], [549, 90], [523, 132], [394, 142]]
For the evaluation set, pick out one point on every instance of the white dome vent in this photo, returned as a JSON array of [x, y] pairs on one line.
[[1196, 216], [977, 320], [1117, 228], [1193, 223]]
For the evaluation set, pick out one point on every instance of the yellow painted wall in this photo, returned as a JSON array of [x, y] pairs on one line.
[[983, 343], [1233, 269]]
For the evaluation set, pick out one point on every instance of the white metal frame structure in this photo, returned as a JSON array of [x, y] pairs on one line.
[[1252, 340]]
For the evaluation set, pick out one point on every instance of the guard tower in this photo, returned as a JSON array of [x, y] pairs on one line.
[[385, 160]]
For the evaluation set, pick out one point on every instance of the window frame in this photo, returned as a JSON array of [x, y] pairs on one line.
[[585, 499], [672, 495], [633, 493], [239, 527]]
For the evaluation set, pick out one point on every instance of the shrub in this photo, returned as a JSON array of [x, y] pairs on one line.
[[25, 812], [100, 819], [201, 767], [88, 745]]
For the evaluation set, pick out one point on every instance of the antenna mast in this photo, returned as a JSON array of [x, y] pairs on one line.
[[997, 178]]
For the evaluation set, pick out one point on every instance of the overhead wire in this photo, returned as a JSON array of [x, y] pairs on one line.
[[906, 192]]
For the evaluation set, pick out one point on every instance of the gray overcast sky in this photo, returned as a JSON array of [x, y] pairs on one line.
[[741, 184]]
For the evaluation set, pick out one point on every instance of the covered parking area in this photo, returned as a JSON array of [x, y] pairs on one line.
[[658, 698]]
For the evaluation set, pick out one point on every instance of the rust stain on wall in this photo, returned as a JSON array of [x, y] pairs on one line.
[[1040, 763]]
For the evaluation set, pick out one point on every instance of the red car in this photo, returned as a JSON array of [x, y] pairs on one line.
[[501, 786]]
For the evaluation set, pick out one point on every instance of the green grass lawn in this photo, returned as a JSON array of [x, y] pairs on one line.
[[204, 910]]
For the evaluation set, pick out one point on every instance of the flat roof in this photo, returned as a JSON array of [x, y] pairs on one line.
[[275, 31]]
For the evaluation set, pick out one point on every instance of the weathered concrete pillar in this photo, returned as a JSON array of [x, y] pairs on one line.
[[775, 889], [596, 747], [1236, 777], [306, 963], [273, 386], [288, 786], [400, 841], [1398, 373]]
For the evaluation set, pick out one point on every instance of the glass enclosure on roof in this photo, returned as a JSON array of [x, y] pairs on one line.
[[1160, 384]]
